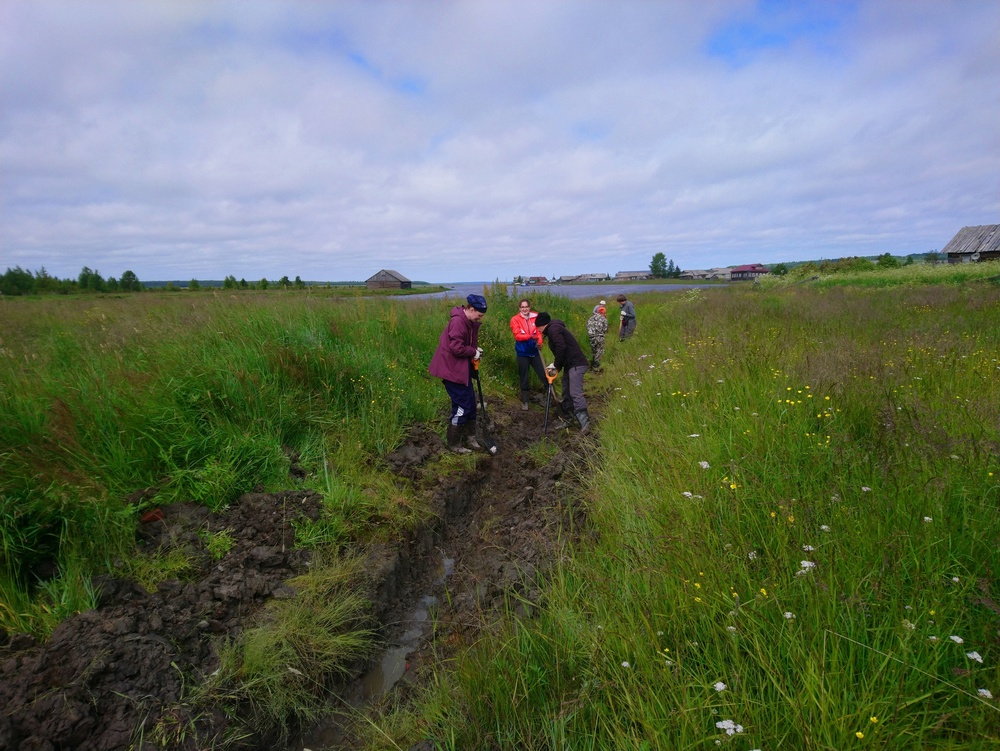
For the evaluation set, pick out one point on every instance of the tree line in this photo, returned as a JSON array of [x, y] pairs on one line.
[[17, 281]]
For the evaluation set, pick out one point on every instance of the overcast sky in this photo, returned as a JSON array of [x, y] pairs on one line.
[[481, 140]]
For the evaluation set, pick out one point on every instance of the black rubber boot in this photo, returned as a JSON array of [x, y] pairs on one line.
[[470, 436], [455, 439], [584, 419], [524, 400]]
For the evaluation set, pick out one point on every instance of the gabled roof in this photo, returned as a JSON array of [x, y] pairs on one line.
[[389, 272], [984, 238], [750, 267]]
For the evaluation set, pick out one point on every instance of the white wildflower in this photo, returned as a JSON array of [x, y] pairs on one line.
[[789, 615], [933, 638], [956, 639], [907, 624], [824, 527], [807, 564], [928, 520], [808, 548], [865, 489], [625, 664], [687, 494], [729, 726], [752, 555], [720, 686], [985, 693], [731, 629], [955, 579], [694, 435], [703, 465], [293, 671], [974, 656]]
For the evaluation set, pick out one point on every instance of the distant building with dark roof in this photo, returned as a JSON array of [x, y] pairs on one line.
[[388, 279], [748, 271]]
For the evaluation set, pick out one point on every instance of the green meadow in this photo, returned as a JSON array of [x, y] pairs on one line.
[[793, 494]]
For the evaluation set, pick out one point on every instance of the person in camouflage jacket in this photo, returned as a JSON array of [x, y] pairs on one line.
[[597, 329]]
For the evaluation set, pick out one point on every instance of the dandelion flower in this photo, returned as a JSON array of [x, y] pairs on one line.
[[985, 693], [956, 639], [720, 687], [974, 656], [703, 465]]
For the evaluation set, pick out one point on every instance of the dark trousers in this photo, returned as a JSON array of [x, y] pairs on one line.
[[463, 401], [573, 400], [524, 367]]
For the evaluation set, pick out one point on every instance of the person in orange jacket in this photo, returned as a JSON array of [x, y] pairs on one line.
[[527, 340]]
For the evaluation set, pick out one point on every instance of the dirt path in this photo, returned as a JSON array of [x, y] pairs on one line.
[[109, 671]]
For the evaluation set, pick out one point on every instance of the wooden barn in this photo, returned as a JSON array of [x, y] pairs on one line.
[[973, 244], [388, 279]]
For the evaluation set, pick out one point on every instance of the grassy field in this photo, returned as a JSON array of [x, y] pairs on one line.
[[794, 498], [796, 504]]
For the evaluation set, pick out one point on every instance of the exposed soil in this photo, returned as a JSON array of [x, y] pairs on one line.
[[107, 677]]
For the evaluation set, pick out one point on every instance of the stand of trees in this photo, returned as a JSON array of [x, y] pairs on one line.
[[17, 281], [660, 268]]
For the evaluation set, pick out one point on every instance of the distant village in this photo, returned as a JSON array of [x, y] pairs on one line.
[[726, 274]]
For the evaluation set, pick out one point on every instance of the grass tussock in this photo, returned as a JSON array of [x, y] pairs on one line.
[[797, 545]]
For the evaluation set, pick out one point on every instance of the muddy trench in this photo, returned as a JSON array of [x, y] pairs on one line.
[[108, 677]]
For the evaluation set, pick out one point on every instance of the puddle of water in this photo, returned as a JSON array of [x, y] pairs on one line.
[[390, 668]]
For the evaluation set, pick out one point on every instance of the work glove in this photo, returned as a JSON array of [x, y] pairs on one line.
[[479, 353]]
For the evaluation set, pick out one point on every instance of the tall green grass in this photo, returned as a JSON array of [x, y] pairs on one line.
[[168, 398], [798, 539]]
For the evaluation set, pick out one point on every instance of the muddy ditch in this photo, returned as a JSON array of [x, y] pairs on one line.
[[108, 677]]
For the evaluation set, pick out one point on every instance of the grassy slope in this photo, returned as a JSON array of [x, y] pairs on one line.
[[797, 514]]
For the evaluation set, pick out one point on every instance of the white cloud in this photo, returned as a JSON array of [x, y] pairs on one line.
[[480, 140]]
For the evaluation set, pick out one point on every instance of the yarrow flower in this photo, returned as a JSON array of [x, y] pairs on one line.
[[703, 465], [824, 527], [729, 726], [865, 489], [720, 686], [985, 693], [927, 520], [956, 639], [625, 664], [808, 548], [974, 656], [788, 615], [752, 555], [933, 638]]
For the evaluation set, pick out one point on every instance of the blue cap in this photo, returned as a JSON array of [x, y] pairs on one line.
[[478, 302]]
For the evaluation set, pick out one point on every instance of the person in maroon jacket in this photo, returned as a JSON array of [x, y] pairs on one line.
[[569, 357], [452, 363]]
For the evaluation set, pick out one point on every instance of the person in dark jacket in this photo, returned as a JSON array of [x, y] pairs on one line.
[[452, 363], [568, 357]]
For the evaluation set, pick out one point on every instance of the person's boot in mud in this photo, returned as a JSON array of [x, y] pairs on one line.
[[584, 419], [524, 400], [455, 439], [564, 417], [470, 436]]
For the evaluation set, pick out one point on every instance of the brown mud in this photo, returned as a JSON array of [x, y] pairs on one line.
[[115, 677]]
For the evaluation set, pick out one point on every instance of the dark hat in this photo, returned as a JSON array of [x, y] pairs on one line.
[[478, 302], [542, 319]]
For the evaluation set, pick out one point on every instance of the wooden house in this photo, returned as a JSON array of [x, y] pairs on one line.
[[632, 276], [388, 279], [973, 244], [748, 271]]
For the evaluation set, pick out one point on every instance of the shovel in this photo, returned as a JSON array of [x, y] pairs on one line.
[[548, 399], [491, 445]]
